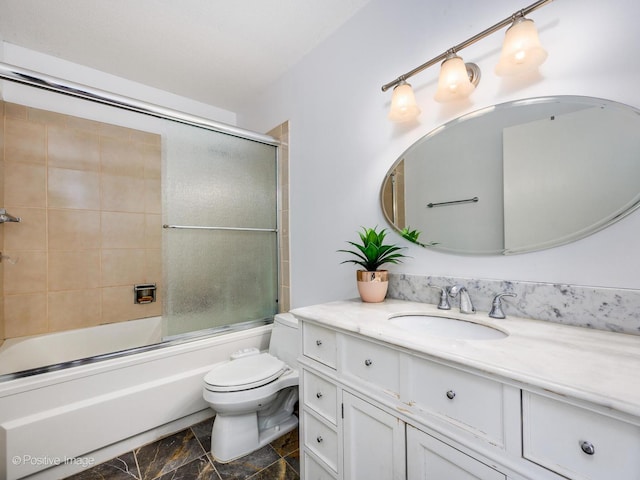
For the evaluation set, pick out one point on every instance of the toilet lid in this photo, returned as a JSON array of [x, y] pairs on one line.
[[244, 373]]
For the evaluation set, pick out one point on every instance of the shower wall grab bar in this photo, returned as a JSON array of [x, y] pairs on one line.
[[453, 202], [235, 229]]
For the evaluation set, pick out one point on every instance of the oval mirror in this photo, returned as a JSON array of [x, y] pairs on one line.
[[517, 177]]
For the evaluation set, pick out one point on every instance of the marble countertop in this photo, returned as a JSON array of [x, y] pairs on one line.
[[587, 364]]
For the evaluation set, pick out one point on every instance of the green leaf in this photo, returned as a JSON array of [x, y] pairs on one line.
[[372, 253]]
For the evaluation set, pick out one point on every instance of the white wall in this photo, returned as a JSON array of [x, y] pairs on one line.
[[341, 143]]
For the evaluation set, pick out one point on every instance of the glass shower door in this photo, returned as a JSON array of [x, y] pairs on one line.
[[220, 236]]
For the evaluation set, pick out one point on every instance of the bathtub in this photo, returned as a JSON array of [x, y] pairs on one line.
[[25, 353], [56, 422]]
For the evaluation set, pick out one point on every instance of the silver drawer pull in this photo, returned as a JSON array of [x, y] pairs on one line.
[[451, 394], [588, 448], [319, 395], [319, 439], [318, 342], [368, 362]]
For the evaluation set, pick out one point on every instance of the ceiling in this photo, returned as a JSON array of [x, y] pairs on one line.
[[220, 52]]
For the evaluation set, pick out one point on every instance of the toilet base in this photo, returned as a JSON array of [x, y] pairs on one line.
[[235, 436]]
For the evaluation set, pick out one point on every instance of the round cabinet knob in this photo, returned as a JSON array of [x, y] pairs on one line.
[[451, 394], [588, 448], [319, 439], [318, 342], [368, 362], [319, 395]]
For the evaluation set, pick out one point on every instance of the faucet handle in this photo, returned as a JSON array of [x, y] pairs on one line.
[[444, 297], [496, 305]]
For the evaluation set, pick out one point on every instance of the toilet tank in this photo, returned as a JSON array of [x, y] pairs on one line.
[[285, 342]]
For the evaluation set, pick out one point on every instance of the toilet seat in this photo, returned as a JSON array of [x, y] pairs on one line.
[[244, 373]]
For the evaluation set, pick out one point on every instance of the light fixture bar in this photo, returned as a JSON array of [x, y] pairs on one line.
[[470, 41]]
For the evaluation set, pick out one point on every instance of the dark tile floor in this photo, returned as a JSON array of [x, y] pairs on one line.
[[185, 456]]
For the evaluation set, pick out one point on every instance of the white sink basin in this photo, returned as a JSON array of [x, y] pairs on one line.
[[446, 327]]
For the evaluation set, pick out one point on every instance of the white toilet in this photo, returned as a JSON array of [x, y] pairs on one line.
[[254, 393]]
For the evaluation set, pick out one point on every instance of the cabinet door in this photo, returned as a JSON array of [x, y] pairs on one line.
[[374, 442], [431, 459]]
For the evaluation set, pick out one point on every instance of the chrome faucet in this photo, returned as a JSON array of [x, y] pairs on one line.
[[466, 306], [7, 217], [496, 305], [444, 297]]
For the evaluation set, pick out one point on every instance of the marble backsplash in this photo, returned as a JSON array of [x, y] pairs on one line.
[[611, 309]]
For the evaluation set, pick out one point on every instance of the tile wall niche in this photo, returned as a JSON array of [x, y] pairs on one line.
[[89, 195], [281, 132], [611, 309]]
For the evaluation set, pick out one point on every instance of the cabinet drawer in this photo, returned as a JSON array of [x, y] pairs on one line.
[[314, 471], [474, 402], [554, 436], [371, 362], [321, 440], [319, 344], [320, 395]]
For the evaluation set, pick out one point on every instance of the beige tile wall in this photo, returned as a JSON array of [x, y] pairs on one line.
[[89, 197], [281, 132]]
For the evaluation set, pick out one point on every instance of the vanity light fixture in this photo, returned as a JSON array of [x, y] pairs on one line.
[[521, 52], [403, 103], [521, 49], [457, 79]]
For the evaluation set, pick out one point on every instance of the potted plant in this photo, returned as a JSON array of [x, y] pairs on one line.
[[371, 254]]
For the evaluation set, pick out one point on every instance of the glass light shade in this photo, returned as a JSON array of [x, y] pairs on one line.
[[521, 50], [403, 104], [453, 83]]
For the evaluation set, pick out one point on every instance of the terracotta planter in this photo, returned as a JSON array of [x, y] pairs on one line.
[[372, 286]]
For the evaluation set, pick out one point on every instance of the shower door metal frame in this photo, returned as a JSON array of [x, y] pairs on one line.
[[40, 80], [66, 87]]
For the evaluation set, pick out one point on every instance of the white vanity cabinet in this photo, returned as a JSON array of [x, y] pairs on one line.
[[351, 397], [372, 409]]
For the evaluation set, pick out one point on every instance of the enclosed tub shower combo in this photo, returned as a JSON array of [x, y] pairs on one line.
[[147, 251]]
